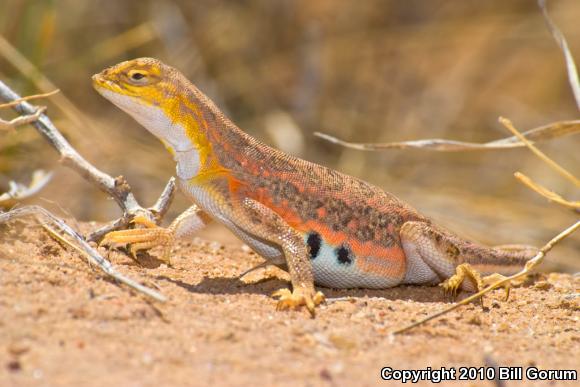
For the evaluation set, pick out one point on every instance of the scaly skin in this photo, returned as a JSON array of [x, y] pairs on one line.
[[324, 225]]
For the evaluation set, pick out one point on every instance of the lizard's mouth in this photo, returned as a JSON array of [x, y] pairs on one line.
[[97, 78], [99, 82]]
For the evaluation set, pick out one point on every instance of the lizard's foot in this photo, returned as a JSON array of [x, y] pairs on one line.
[[298, 297], [466, 271], [493, 278], [142, 239], [462, 272]]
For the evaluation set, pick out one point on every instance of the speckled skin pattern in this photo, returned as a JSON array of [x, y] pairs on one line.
[[326, 226]]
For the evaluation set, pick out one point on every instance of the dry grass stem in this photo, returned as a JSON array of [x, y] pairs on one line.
[[18, 192], [26, 68], [542, 133], [119, 44], [561, 40], [22, 120], [29, 98], [59, 229], [545, 192], [555, 166]]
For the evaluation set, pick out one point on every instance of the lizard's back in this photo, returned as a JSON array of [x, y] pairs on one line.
[[351, 227]]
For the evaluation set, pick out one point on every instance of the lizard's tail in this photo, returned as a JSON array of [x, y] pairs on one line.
[[444, 251], [505, 259], [435, 254]]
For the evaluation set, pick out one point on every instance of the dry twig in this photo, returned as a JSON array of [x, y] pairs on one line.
[[18, 191], [29, 98], [58, 227], [26, 119], [545, 192], [555, 166], [548, 194], [542, 133], [550, 131], [30, 71], [530, 265], [561, 40], [22, 120], [117, 188]]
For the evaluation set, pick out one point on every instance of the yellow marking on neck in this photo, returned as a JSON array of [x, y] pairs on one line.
[[163, 88], [192, 123]]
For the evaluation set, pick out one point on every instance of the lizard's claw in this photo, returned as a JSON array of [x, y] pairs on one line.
[[465, 271], [142, 238], [298, 297], [493, 278], [462, 272]]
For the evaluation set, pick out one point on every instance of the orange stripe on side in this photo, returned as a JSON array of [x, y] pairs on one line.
[[370, 257]]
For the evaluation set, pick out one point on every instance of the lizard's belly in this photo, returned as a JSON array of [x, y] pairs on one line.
[[336, 267], [333, 266], [204, 200]]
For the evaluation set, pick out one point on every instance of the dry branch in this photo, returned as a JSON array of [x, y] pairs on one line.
[[117, 188], [56, 226], [159, 209]]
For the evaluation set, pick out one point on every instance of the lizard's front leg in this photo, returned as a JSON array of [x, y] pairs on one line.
[[150, 235], [261, 221]]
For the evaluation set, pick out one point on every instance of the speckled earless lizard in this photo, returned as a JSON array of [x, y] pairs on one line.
[[325, 227]]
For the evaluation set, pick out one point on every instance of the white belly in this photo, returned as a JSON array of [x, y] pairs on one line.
[[201, 197]]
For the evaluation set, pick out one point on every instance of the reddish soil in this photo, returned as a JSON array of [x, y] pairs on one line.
[[63, 323]]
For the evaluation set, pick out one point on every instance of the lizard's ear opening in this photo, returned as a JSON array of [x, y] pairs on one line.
[[138, 77]]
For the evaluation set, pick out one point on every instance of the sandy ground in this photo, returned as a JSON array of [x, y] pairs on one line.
[[64, 323]]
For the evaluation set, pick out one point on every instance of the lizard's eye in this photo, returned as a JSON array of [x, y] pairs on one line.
[[137, 76]]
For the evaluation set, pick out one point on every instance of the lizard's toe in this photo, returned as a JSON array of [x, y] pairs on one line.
[[299, 297], [463, 272], [450, 286], [493, 278], [142, 239]]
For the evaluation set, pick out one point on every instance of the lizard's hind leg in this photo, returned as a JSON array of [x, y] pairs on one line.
[[453, 261]]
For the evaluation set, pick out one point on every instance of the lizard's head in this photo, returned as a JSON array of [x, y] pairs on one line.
[[142, 81], [149, 91]]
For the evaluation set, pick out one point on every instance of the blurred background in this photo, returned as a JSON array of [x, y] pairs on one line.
[[365, 71]]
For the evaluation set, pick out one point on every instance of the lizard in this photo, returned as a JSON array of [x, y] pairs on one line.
[[325, 227]]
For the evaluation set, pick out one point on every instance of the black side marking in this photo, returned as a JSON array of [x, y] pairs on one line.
[[314, 242], [343, 255]]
